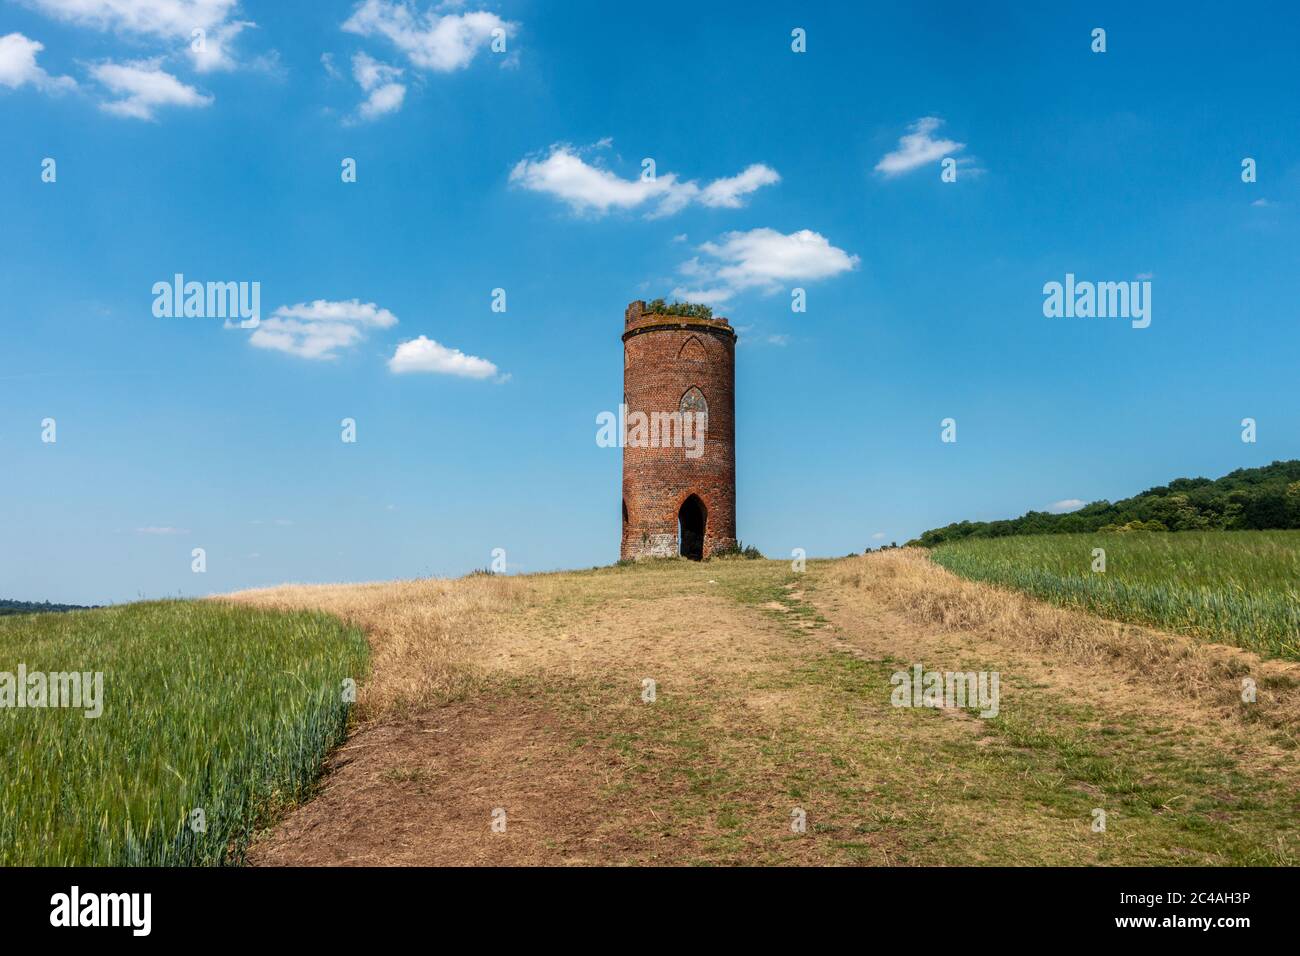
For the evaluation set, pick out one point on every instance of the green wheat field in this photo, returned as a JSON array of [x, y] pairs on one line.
[[1233, 587], [227, 710]]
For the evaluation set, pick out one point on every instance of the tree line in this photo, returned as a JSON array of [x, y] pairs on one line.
[[35, 607], [1261, 499]]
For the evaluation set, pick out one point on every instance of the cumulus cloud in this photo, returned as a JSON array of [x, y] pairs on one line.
[[1067, 504], [431, 41], [142, 86], [719, 295], [215, 52], [18, 66], [588, 188], [730, 191], [425, 355], [917, 148], [761, 259], [172, 20], [379, 81], [320, 329]]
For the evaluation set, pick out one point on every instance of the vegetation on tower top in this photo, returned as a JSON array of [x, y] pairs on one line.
[[687, 309]]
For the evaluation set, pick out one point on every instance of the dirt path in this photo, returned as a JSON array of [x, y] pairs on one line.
[[768, 734]]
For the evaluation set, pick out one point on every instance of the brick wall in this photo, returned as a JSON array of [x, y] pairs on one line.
[[663, 357]]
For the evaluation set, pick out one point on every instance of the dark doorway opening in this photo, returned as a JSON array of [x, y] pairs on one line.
[[690, 528], [625, 517]]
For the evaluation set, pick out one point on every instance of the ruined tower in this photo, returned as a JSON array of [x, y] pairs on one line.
[[678, 499]]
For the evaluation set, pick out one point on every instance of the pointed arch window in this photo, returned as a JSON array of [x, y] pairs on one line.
[[693, 350], [694, 401]]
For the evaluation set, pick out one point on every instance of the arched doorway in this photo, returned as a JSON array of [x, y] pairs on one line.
[[691, 521]]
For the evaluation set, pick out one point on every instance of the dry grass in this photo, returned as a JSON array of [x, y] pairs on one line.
[[908, 580], [423, 634], [774, 693]]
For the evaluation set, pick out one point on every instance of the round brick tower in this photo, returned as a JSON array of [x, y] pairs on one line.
[[679, 487]]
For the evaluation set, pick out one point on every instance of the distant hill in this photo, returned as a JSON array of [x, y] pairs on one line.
[[33, 607], [1259, 499]]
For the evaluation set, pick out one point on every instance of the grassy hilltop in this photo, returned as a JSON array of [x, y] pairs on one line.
[[670, 712], [769, 696]]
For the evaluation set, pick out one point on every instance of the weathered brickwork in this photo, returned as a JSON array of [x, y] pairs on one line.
[[664, 357]]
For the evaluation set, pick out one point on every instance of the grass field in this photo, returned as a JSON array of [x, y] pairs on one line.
[[206, 706], [527, 695], [1233, 587]]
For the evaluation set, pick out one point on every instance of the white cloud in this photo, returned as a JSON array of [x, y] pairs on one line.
[[1261, 203], [425, 355], [18, 66], [566, 176], [764, 259], [1067, 504], [878, 536], [431, 41], [587, 188], [171, 20], [700, 296], [917, 147], [387, 99], [379, 81], [215, 53], [320, 329], [155, 529], [730, 191], [143, 86]]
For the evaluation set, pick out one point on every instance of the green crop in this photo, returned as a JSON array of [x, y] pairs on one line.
[[207, 707], [1233, 587]]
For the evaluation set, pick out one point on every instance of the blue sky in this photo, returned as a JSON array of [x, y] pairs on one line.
[[520, 169]]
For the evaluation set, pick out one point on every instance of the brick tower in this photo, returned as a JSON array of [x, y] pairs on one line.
[[679, 499]]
